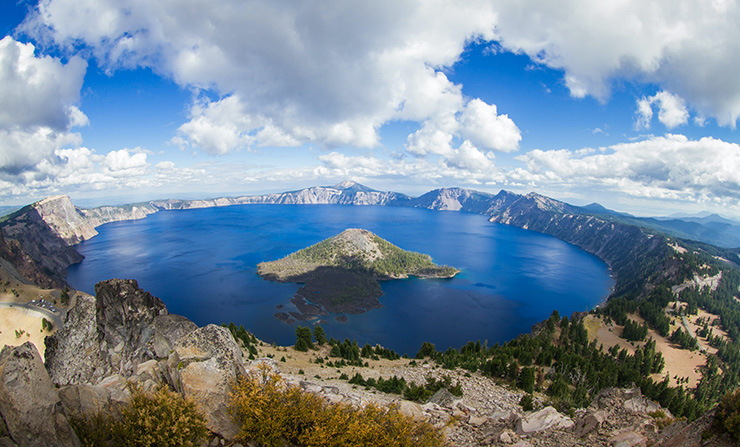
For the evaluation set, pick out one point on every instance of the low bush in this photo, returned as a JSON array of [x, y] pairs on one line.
[[271, 412], [162, 418], [527, 402]]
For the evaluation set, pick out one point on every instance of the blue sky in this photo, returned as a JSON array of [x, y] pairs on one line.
[[631, 104]]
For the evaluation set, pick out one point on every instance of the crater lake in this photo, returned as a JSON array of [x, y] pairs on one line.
[[203, 264]]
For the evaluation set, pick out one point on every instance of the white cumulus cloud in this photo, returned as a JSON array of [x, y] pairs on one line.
[[667, 167], [691, 48], [285, 73], [39, 96], [672, 110]]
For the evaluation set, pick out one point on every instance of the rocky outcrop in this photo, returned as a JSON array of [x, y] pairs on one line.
[[94, 217], [454, 199], [21, 266], [29, 403], [73, 352], [204, 365], [345, 193], [108, 397], [75, 225], [125, 318], [46, 231], [541, 420], [64, 219], [111, 333]]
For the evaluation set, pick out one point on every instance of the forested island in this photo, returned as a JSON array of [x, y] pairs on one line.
[[341, 274]]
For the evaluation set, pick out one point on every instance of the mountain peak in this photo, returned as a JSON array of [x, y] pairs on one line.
[[349, 185]]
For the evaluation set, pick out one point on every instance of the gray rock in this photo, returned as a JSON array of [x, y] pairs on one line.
[[410, 409], [203, 366], [476, 421], [591, 422], [543, 419], [506, 437], [125, 315], [311, 387], [640, 404], [168, 329], [73, 353], [111, 333], [443, 398], [628, 439], [522, 444], [29, 403], [85, 399]]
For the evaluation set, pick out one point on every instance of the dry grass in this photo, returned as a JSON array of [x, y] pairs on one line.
[[12, 320], [678, 362]]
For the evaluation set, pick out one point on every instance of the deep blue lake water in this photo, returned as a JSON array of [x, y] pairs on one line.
[[202, 263]]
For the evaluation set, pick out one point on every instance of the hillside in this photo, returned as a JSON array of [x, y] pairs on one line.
[[340, 274], [133, 343]]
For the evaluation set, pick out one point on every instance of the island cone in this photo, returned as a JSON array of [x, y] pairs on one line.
[[340, 274]]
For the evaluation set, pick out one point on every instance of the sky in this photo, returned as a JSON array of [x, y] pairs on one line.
[[630, 103]]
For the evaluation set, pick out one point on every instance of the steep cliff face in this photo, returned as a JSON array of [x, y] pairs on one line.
[[39, 238], [454, 199], [47, 254], [75, 225], [95, 217], [631, 252], [22, 266], [64, 219]]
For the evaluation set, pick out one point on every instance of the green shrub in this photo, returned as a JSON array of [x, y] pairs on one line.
[[527, 402]]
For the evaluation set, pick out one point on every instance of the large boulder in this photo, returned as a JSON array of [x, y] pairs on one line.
[[203, 366], [110, 396], [168, 329], [443, 398], [641, 404], [29, 403], [543, 419], [592, 421]]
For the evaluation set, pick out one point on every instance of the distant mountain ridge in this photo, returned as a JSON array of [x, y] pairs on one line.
[[54, 225]]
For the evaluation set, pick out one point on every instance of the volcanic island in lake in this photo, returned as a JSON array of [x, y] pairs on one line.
[[340, 275]]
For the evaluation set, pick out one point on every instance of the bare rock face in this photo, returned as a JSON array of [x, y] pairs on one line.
[[125, 317], [65, 219], [168, 329], [45, 255], [541, 420], [111, 333], [204, 365], [73, 354], [29, 403]]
